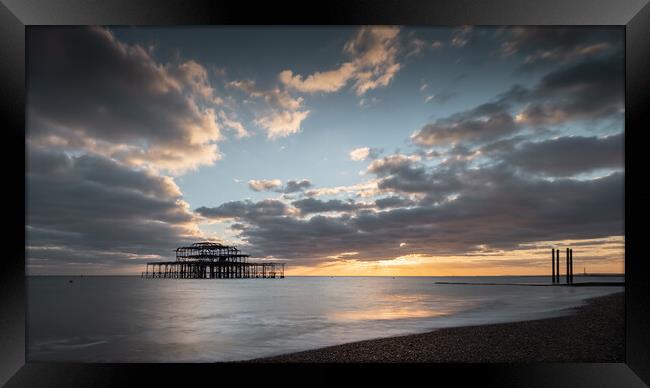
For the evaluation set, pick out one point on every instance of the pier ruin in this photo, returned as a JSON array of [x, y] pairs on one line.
[[555, 266], [210, 260]]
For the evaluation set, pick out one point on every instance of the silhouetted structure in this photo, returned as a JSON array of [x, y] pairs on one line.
[[568, 271], [571, 265], [209, 260], [555, 266]]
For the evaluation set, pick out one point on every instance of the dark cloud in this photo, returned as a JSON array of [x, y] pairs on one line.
[[393, 202], [466, 130], [90, 207], [485, 122], [87, 90], [313, 205], [294, 186], [245, 210], [568, 156], [403, 174], [551, 45], [493, 206], [588, 90]]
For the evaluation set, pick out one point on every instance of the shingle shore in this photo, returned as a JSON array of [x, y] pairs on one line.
[[594, 333]]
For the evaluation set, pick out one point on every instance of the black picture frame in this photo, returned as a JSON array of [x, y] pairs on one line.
[[16, 14]]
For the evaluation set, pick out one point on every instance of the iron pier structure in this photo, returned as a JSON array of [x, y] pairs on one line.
[[210, 260]]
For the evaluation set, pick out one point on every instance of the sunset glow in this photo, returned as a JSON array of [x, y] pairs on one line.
[[339, 151]]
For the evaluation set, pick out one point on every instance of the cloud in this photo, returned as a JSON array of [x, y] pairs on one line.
[[520, 210], [237, 126], [364, 153], [441, 97], [264, 184], [485, 122], [374, 50], [294, 186], [416, 46], [587, 90], [445, 93], [312, 205], [461, 36], [407, 175], [358, 154], [485, 177], [282, 123], [90, 209], [364, 189], [391, 163], [327, 81], [373, 64], [246, 210], [196, 76], [275, 97], [393, 202], [88, 91], [568, 156], [368, 102], [283, 116], [488, 177], [543, 45]]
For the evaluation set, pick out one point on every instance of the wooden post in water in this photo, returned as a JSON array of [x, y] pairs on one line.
[[553, 265], [568, 274], [571, 261], [568, 261], [557, 266]]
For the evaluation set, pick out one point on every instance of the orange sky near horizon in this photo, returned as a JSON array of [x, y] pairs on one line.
[[595, 256], [606, 255]]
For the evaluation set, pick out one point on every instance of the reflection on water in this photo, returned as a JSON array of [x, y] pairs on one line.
[[387, 313], [399, 307], [126, 319]]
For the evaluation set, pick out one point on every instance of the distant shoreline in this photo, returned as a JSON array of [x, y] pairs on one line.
[[594, 332]]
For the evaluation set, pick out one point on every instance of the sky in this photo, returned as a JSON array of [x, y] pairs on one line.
[[368, 150]]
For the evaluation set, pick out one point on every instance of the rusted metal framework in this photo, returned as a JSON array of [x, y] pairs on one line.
[[209, 260], [211, 252]]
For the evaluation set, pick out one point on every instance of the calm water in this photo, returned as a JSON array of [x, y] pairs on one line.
[[128, 319]]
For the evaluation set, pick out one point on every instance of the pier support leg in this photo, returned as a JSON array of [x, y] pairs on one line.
[[571, 261], [568, 274], [557, 266], [553, 265]]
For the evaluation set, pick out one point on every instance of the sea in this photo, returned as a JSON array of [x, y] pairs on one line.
[[130, 319]]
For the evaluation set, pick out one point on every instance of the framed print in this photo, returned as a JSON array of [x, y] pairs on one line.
[[391, 188]]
